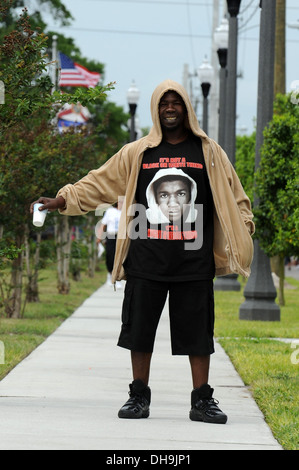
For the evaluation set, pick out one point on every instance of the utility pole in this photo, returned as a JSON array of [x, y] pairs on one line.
[[280, 48], [279, 75]]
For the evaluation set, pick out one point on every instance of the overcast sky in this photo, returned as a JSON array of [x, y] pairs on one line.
[[149, 41]]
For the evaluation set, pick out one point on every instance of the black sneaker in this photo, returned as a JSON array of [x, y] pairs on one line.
[[204, 407], [138, 404]]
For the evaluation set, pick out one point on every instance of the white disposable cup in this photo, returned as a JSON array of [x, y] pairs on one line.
[[39, 216]]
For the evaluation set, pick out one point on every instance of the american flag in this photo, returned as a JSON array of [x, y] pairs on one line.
[[73, 74]]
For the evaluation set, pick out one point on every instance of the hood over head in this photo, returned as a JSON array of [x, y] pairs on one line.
[[191, 119]]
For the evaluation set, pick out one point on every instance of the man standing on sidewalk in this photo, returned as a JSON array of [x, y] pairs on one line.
[[185, 218]]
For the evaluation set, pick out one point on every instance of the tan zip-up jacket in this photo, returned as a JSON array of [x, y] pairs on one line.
[[233, 225]]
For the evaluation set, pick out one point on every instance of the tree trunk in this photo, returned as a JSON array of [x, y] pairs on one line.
[[92, 248], [63, 249], [14, 306], [275, 264], [76, 262], [32, 267], [281, 298]]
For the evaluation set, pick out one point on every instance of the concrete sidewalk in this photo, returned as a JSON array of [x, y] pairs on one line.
[[67, 393]]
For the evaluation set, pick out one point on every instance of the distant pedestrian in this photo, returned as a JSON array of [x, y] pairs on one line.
[[109, 228]]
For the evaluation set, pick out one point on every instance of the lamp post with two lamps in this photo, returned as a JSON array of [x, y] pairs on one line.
[[225, 135], [229, 108]]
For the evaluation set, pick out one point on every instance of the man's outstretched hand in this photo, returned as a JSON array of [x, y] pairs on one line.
[[52, 204]]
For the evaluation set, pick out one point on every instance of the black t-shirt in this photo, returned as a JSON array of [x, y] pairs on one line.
[[172, 230]]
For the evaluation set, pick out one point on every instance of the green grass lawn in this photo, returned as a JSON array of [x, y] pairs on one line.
[[21, 336], [265, 364]]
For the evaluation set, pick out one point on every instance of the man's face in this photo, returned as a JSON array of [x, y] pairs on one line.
[[172, 111], [171, 198]]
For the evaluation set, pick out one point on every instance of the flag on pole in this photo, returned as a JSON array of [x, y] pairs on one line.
[[73, 74]]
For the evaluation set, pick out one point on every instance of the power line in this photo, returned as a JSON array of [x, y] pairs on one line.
[[246, 7], [249, 18], [199, 4], [149, 33], [164, 2], [190, 33], [144, 33]]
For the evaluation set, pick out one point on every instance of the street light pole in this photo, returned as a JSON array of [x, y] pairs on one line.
[[222, 54], [260, 292], [233, 7], [133, 97], [205, 87], [205, 74], [221, 41], [230, 282]]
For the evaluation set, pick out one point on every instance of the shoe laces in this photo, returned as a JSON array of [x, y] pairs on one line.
[[207, 403], [136, 400]]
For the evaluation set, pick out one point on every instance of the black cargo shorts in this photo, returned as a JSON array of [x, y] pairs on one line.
[[191, 314]]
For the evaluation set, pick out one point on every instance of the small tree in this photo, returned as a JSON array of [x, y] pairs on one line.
[[25, 158], [277, 187]]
